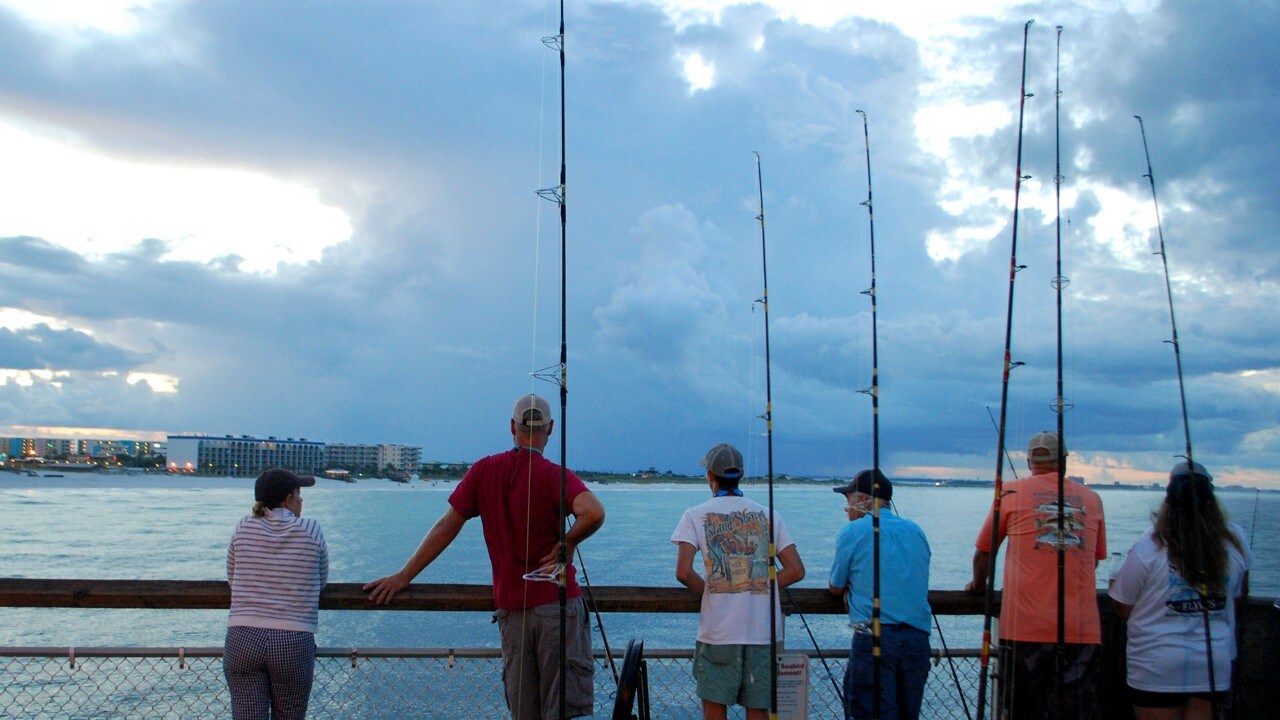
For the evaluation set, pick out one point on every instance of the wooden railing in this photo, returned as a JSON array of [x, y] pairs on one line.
[[216, 594], [1259, 652]]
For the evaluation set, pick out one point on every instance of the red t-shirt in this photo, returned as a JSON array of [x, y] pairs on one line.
[[1029, 520], [516, 495]]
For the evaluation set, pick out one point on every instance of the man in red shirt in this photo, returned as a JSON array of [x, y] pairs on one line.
[[516, 495]]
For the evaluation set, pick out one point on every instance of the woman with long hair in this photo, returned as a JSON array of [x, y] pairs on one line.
[[1177, 590], [277, 563]]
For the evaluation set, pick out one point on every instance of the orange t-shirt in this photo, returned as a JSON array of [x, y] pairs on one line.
[[1029, 519]]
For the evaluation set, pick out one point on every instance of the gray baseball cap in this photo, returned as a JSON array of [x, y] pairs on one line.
[[724, 461]]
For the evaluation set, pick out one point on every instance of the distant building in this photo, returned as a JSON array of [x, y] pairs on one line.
[[243, 455], [401, 458], [77, 448], [351, 457]]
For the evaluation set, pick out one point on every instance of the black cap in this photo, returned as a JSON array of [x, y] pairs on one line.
[[1189, 477], [865, 482], [276, 484]]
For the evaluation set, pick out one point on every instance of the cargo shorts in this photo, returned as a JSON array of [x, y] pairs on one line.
[[733, 674]]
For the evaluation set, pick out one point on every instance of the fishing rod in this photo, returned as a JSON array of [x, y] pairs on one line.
[[557, 195], [1060, 406], [875, 444], [559, 376], [595, 610], [951, 663], [876, 472], [1203, 590], [1168, 286], [795, 610], [768, 422], [1014, 267]]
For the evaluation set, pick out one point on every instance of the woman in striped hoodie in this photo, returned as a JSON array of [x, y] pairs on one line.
[[277, 564]]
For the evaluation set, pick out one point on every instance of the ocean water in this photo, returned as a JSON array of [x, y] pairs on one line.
[[148, 527]]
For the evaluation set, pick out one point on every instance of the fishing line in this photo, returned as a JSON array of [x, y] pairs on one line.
[[536, 574], [1253, 524], [989, 601], [1007, 456], [946, 651], [795, 608]]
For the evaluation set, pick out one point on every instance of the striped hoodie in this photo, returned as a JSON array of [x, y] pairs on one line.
[[277, 565]]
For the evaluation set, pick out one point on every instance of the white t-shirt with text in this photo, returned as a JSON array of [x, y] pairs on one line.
[[731, 533]]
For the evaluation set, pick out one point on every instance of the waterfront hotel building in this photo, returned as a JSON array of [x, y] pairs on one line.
[[398, 457], [243, 455], [79, 449], [247, 456]]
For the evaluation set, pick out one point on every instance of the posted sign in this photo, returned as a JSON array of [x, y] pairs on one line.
[[793, 686]]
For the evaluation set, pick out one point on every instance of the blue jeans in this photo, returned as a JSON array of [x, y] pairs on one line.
[[904, 669]]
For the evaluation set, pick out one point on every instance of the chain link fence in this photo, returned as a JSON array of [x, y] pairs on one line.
[[359, 684]]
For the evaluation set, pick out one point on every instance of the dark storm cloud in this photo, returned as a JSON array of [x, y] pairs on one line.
[[44, 348], [430, 125]]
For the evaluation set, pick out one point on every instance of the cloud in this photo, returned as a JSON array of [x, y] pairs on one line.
[[426, 129], [44, 348]]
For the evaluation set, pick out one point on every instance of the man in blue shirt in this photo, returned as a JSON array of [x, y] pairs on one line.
[[904, 601]]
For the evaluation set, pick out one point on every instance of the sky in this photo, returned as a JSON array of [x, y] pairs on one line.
[[319, 219]]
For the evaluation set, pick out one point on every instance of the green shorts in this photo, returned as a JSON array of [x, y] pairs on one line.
[[733, 674]]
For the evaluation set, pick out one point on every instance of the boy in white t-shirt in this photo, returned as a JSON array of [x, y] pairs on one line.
[[732, 660]]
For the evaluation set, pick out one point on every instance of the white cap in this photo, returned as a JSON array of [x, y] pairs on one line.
[[531, 411]]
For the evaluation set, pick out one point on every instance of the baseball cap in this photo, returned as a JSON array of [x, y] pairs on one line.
[[1184, 476], [865, 482], [531, 411], [276, 484], [724, 461], [1044, 446]]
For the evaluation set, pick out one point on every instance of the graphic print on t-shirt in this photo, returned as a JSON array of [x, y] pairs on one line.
[[1184, 600], [1046, 519], [737, 558]]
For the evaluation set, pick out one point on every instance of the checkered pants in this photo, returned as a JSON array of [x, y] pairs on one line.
[[269, 672]]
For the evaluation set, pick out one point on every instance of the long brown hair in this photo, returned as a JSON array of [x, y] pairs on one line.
[[1193, 528]]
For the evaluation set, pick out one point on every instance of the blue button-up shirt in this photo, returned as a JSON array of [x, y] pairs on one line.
[[904, 570]]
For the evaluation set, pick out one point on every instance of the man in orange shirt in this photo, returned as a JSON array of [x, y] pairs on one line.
[[1029, 661]]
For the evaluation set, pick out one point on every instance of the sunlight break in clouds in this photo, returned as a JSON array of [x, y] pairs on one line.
[[159, 383], [27, 378], [16, 319], [94, 204], [118, 17], [699, 73]]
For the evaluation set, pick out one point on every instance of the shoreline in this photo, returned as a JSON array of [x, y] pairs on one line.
[[162, 480]]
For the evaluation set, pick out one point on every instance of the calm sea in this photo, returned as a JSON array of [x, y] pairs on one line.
[[100, 526]]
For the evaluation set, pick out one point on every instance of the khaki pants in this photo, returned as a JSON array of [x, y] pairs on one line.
[[531, 661]]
